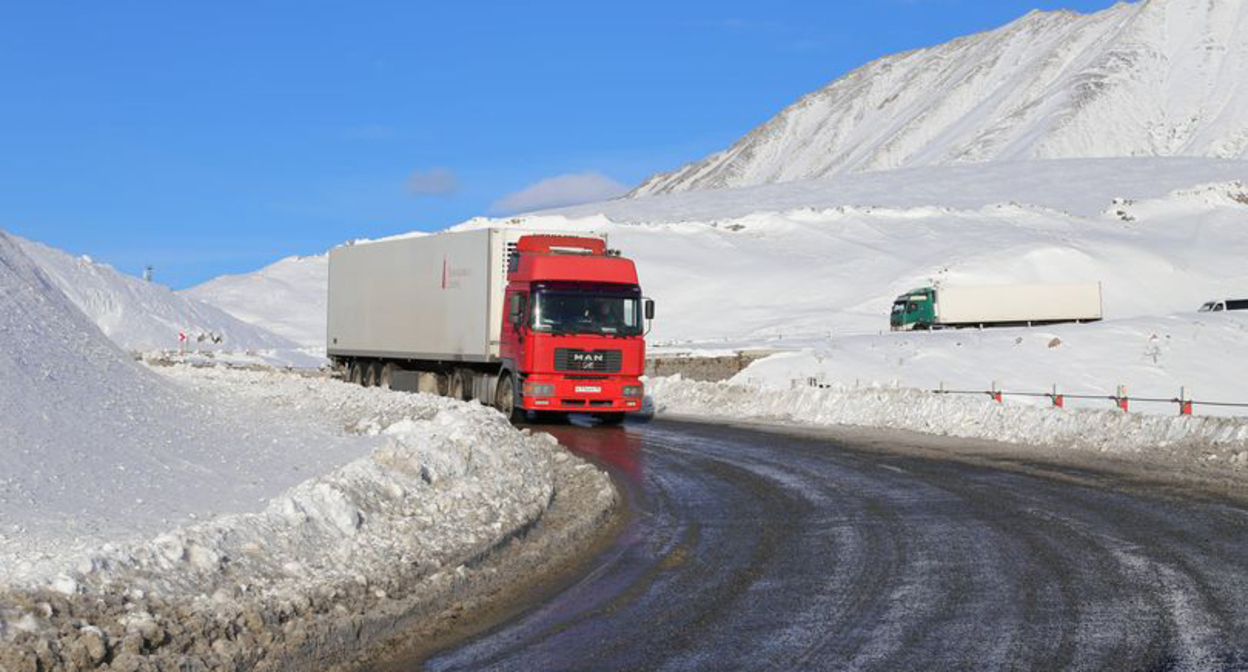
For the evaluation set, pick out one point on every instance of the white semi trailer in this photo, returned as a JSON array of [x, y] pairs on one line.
[[527, 321], [996, 305]]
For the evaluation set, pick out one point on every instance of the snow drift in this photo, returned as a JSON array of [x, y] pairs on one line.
[[1153, 78]]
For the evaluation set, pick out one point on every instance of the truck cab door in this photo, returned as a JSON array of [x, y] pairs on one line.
[[515, 317]]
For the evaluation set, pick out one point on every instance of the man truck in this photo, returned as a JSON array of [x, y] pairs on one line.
[[996, 306], [529, 322]]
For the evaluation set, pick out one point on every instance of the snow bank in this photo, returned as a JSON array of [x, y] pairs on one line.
[[1184, 439], [445, 485], [140, 315]]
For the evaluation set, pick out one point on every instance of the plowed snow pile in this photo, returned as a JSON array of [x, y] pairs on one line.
[[208, 517]]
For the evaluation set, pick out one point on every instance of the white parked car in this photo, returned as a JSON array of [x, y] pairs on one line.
[[1224, 304]]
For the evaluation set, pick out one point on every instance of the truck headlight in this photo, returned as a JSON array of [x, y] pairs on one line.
[[633, 390], [539, 390]]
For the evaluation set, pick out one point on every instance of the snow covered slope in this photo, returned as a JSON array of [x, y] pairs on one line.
[[1155, 78], [74, 407], [139, 315], [718, 262], [287, 298]]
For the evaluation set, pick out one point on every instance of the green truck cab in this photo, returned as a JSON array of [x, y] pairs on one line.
[[915, 309]]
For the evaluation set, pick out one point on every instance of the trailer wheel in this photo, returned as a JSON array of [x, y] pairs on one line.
[[457, 386], [505, 398], [370, 374], [386, 377], [354, 375]]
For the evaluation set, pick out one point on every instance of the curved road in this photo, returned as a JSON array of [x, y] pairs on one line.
[[758, 550]]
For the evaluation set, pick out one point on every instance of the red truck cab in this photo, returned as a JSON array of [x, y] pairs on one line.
[[573, 335]]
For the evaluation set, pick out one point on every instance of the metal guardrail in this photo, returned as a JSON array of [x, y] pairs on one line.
[[1121, 399]]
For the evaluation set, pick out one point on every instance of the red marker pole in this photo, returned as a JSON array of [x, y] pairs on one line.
[[1123, 402], [1185, 404], [1058, 400]]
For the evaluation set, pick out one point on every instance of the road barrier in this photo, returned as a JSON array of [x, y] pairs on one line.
[[1121, 399]]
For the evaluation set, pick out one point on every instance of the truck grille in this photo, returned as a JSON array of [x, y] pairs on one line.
[[605, 361]]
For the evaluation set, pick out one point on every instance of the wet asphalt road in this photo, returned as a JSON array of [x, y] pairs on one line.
[[753, 550]]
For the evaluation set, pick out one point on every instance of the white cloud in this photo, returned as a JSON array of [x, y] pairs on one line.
[[432, 182], [558, 191]]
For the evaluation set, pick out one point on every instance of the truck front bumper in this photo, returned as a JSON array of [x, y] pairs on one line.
[[585, 395]]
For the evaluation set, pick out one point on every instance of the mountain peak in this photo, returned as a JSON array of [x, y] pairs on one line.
[[1155, 78]]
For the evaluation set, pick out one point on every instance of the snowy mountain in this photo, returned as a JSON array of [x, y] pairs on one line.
[[139, 315], [1155, 78], [287, 298]]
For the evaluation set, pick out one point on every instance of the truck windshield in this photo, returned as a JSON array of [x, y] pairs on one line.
[[587, 313]]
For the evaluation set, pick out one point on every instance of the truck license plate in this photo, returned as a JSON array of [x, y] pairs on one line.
[[588, 388]]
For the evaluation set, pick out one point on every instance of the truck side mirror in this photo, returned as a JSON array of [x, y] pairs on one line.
[[515, 312], [649, 309]]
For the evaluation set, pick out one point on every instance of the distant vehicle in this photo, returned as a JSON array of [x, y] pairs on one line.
[[1225, 304], [996, 306], [523, 320]]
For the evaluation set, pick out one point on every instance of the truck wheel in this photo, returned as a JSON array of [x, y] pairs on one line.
[[386, 377], [457, 386], [505, 399], [370, 374], [610, 419], [468, 379], [354, 375]]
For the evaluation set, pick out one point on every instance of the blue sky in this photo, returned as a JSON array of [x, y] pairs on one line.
[[211, 138]]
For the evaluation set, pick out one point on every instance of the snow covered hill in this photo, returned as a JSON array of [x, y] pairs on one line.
[[287, 298], [1154, 78], [139, 315]]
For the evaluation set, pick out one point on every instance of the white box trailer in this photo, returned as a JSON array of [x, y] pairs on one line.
[[996, 305], [437, 297], [1016, 304]]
